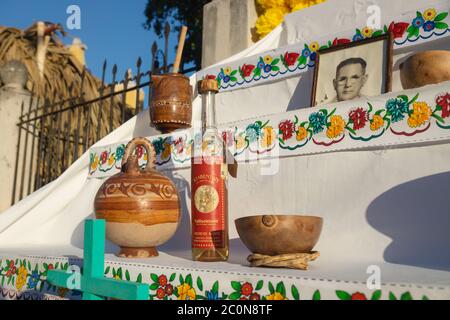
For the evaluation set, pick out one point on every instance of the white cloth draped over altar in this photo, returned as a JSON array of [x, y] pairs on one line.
[[380, 205]]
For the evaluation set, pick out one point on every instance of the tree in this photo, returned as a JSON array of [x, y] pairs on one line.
[[178, 13]]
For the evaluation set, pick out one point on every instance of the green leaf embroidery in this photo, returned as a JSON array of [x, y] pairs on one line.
[[392, 296], [275, 68], [236, 285], [406, 296], [295, 293], [438, 118], [376, 295], [235, 296], [127, 275], [343, 295], [188, 280], [139, 278], [154, 286], [233, 79], [29, 265], [154, 277], [370, 107], [323, 48], [181, 279], [385, 29], [441, 25], [377, 33], [441, 16], [233, 73], [351, 130], [271, 288], [404, 98], [57, 265], [275, 62], [419, 15], [259, 285], [412, 31], [114, 273], [302, 60], [107, 269], [224, 296], [199, 284], [172, 277], [316, 295], [414, 99], [215, 288], [425, 298], [281, 289]]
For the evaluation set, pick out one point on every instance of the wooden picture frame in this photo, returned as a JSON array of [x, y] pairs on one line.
[[387, 63]]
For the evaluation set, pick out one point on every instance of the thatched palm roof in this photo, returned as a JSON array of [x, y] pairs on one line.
[[62, 74]]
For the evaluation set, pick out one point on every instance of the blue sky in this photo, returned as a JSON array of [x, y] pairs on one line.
[[111, 29]]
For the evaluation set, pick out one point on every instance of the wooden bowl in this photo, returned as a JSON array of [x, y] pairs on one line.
[[423, 68], [279, 234]]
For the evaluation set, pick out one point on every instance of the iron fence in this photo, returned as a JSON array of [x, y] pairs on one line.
[[55, 132]]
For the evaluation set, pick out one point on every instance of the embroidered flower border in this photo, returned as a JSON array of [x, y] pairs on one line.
[[308, 130], [425, 25], [22, 275]]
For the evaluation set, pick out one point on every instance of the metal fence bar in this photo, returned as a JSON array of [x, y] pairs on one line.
[[13, 198]]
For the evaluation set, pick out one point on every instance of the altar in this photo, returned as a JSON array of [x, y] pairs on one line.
[[380, 188]]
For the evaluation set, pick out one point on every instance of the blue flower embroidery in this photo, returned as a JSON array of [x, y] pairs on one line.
[[212, 295], [318, 121], [429, 26], [252, 132], [120, 151], [33, 280], [397, 109], [418, 22]]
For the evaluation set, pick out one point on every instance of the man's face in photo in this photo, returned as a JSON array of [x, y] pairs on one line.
[[349, 81]]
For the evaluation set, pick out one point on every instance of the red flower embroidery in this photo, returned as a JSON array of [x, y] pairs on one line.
[[291, 58], [139, 151], [398, 29], [243, 298], [246, 289], [12, 269], [179, 145], [340, 41], [160, 293], [287, 129], [169, 289], [444, 102], [247, 70], [255, 296], [104, 157], [359, 117], [210, 76], [358, 296], [227, 137], [50, 267], [162, 280]]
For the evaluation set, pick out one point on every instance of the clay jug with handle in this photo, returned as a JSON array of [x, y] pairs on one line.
[[141, 206]]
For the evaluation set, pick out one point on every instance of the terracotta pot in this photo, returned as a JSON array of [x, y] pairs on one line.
[[423, 68], [279, 234], [141, 206], [171, 107]]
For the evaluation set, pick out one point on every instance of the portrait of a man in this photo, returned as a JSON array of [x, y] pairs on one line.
[[353, 71], [350, 78]]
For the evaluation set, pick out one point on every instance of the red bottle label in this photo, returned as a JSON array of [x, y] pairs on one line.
[[208, 204]]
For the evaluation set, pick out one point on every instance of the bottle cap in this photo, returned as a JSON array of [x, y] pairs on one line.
[[207, 85]]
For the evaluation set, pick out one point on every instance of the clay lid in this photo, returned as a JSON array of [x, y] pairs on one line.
[[207, 85]]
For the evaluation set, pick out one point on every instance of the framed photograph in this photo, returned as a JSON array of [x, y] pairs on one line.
[[354, 70]]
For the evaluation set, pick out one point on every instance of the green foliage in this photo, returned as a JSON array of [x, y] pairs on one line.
[[178, 13]]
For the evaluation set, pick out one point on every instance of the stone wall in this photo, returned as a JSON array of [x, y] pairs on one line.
[[227, 29]]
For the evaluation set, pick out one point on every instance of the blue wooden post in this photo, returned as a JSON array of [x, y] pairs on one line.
[[93, 284]]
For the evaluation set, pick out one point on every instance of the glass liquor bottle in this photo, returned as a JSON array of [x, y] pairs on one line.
[[209, 194]]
